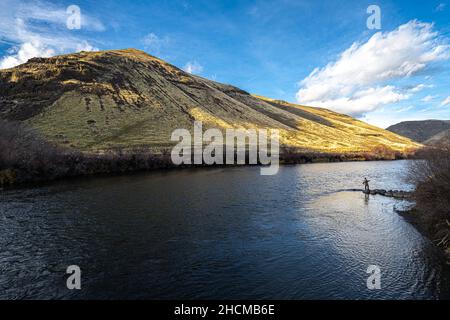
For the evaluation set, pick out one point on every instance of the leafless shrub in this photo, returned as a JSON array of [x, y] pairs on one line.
[[291, 155], [22, 149], [25, 156], [431, 177]]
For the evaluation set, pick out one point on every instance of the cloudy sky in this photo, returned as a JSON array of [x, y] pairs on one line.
[[318, 53]]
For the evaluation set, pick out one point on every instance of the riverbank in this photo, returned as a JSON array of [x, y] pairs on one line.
[[397, 194], [431, 227], [434, 229], [28, 157], [66, 165], [431, 213]]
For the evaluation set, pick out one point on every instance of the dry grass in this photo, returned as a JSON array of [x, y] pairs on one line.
[[126, 98]]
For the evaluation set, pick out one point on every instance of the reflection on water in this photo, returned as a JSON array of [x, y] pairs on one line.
[[217, 233]]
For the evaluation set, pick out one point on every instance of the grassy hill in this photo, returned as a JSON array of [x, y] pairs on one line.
[[420, 131], [440, 139], [126, 98]]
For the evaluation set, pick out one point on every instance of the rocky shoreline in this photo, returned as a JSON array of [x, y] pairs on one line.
[[398, 194]]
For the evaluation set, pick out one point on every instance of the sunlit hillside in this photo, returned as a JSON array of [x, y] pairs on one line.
[[127, 98]]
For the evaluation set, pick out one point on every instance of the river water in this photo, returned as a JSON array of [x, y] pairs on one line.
[[226, 233]]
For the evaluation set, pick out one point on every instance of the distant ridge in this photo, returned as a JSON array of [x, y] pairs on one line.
[[420, 131], [440, 139], [94, 101]]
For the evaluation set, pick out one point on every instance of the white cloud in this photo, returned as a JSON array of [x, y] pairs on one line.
[[85, 46], [364, 100], [358, 82], [26, 51], [421, 87], [428, 98], [193, 67], [446, 101], [50, 13], [404, 109], [440, 7], [153, 43], [38, 29], [418, 88]]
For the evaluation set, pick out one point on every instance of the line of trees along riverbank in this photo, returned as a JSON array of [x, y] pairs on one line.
[[27, 157]]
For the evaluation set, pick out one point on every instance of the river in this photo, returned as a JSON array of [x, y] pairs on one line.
[[224, 233]]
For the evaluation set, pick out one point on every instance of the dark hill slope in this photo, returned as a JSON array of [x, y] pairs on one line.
[[420, 131]]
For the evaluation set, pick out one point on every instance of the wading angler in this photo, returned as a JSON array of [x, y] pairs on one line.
[[237, 144]]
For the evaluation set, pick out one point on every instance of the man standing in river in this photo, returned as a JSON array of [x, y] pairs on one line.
[[366, 185]]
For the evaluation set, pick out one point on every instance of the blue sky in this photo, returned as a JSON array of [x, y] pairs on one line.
[[271, 48]]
